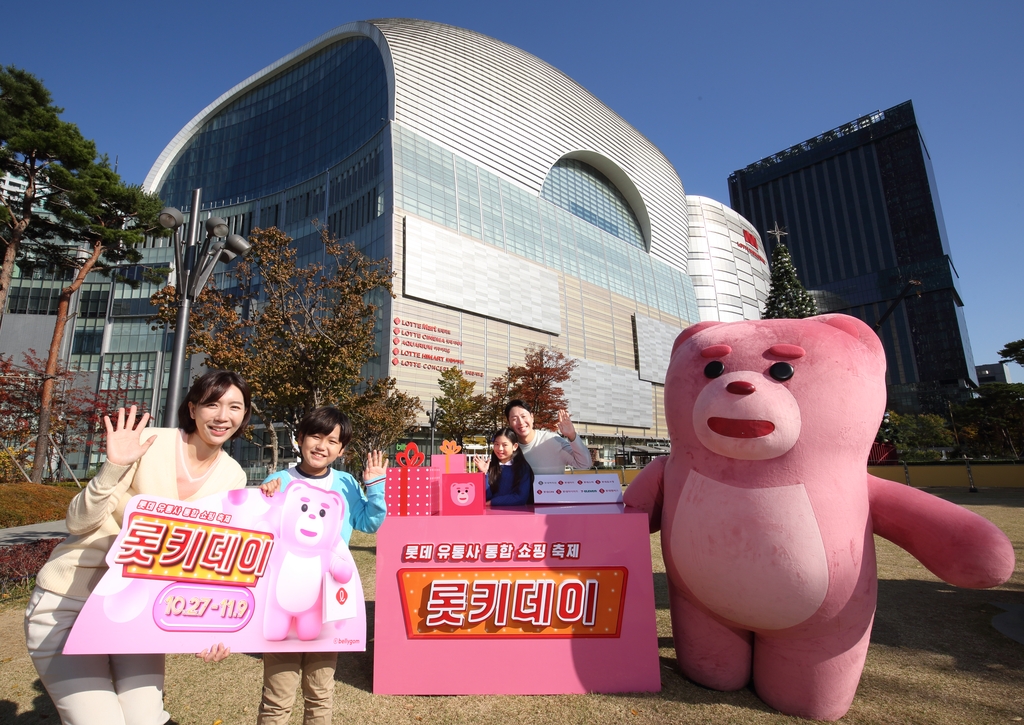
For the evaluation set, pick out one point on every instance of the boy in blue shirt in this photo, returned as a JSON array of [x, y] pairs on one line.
[[322, 437]]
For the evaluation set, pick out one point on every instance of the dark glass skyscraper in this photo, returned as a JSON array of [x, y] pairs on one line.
[[861, 209]]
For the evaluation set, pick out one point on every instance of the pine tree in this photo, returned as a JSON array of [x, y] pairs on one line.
[[787, 298]]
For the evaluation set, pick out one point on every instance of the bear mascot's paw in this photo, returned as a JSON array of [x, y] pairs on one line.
[[767, 511]]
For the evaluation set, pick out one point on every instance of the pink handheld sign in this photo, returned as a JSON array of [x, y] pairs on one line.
[[256, 573]]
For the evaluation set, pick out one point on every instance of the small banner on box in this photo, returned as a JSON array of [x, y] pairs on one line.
[[512, 602], [577, 488], [240, 568]]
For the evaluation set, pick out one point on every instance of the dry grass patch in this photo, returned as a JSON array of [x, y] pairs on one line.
[[934, 658], [33, 503]]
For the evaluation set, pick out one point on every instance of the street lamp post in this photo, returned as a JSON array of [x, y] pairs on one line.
[[435, 415], [192, 275]]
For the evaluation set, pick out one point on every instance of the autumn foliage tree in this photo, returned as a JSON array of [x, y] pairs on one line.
[[381, 416], [460, 407], [537, 381], [992, 425], [299, 335], [77, 411], [492, 411]]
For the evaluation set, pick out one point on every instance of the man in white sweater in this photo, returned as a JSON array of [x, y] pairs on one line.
[[547, 452]]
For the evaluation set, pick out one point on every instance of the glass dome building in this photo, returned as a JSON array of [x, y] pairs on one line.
[[514, 206]]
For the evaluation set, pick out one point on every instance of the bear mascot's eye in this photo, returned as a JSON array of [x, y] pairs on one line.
[[781, 371], [322, 513], [305, 507], [714, 368]]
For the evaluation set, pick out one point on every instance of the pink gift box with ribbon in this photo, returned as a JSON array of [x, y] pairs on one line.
[[449, 462], [412, 489]]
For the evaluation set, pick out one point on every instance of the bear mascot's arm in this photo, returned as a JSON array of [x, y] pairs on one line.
[[341, 567], [647, 491], [956, 545]]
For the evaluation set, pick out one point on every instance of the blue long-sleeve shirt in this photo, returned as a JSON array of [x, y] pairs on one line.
[[512, 492], [363, 511]]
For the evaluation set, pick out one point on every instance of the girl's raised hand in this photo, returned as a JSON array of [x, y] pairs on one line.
[[483, 463], [376, 466], [123, 446]]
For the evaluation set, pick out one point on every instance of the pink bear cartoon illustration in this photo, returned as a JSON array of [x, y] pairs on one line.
[[767, 512], [307, 545], [463, 493]]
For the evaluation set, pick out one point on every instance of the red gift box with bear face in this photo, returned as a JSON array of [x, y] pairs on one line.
[[462, 494], [412, 489]]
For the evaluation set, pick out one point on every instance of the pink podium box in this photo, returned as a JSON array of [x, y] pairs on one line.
[[413, 491], [516, 602]]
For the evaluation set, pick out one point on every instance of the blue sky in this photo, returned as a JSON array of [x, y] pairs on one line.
[[715, 85]]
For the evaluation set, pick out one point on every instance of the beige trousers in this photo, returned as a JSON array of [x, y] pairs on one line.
[[90, 689], [281, 678]]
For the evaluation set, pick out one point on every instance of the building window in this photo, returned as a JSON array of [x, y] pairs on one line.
[[584, 191]]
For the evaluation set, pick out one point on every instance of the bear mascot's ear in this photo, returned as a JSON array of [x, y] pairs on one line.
[[854, 328], [690, 332]]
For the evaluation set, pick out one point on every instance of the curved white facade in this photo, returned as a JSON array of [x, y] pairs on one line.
[[434, 147], [728, 263], [519, 116], [502, 108]]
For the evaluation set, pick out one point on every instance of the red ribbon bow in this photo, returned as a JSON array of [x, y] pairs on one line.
[[410, 457]]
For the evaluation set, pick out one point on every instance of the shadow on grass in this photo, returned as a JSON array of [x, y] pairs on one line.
[[42, 710], [1011, 497], [937, 617], [676, 687], [356, 668], [660, 590]]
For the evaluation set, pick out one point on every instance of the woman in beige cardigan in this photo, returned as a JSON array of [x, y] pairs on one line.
[[184, 463]]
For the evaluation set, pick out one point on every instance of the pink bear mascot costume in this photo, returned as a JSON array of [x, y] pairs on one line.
[[306, 546], [767, 512]]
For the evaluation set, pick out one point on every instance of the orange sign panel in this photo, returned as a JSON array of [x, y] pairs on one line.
[[513, 602], [164, 547]]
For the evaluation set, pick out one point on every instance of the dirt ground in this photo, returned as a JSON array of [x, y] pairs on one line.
[[934, 658]]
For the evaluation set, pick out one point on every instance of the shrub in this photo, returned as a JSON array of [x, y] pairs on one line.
[[32, 503], [22, 561]]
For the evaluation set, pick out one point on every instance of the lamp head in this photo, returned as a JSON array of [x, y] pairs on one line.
[[216, 227], [237, 245], [170, 218]]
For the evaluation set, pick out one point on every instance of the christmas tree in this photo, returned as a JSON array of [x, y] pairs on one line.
[[787, 298]]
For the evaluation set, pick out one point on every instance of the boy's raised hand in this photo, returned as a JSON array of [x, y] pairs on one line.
[[376, 466]]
